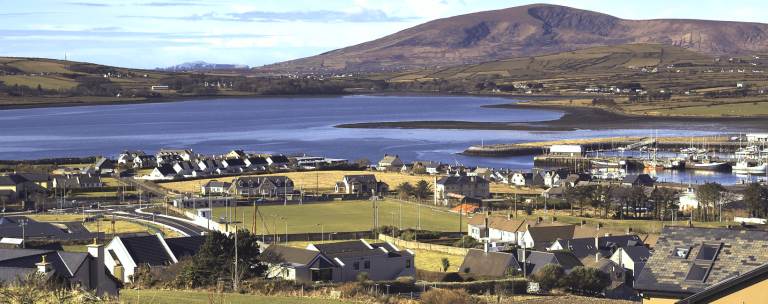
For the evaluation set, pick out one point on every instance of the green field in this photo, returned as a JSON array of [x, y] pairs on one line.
[[46, 82], [343, 216], [738, 109], [192, 297]]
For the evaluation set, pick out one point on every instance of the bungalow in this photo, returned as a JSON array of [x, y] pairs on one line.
[[485, 173], [573, 179], [234, 164], [215, 187], [360, 184], [340, 262], [689, 261], [208, 165], [104, 165], [278, 161], [74, 268], [127, 254], [532, 261], [163, 171], [262, 185], [185, 168], [434, 168], [256, 163], [239, 153], [129, 156], [489, 263], [389, 161]]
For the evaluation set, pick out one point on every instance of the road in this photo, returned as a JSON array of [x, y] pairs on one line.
[[130, 211]]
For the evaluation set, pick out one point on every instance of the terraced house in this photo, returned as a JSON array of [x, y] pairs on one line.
[[262, 185]]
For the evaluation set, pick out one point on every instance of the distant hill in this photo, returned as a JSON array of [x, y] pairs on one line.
[[201, 65], [530, 30]]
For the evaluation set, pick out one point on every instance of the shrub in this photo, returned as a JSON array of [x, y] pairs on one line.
[[447, 296], [446, 263], [467, 242], [405, 280], [588, 279], [452, 277], [363, 276], [550, 276]]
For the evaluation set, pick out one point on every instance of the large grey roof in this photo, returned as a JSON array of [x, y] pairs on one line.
[[185, 246], [146, 250], [292, 255], [460, 180], [741, 251], [487, 263]]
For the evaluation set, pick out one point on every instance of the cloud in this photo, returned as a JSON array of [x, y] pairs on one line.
[[87, 4], [169, 4], [106, 28], [354, 15]]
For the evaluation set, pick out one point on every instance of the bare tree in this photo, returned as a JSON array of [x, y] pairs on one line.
[[4, 199], [273, 261], [40, 199]]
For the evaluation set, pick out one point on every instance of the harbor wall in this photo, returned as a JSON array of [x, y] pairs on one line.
[[520, 150]]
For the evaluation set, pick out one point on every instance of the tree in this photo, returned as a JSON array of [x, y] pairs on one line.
[[419, 170], [588, 279], [708, 194], [71, 195], [550, 276], [363, 162], [754, 198], [601, 198], [40, 199], [423, 189], [570, 193], [446, 263], [404, 189], [217, 257], [663, 199], [4, 200], [584, 196]]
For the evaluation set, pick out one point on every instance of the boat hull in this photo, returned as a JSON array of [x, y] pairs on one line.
[[714, 166]]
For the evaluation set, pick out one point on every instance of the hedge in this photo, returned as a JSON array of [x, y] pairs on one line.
[[478, 287], [51, 161], [100, 189]]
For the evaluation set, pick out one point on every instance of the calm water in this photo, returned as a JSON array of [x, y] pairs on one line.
[[288, 125]]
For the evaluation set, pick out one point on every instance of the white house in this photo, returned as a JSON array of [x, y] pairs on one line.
[[126, 254]]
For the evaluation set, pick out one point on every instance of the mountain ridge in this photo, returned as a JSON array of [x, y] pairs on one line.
[[523, 31]]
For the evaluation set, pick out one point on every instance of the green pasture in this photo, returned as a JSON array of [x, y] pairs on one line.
[[194, 297]]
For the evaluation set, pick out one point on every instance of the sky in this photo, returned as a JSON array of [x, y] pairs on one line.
[[161, 33]]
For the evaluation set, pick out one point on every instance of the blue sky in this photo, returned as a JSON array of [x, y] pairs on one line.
[[161, 33]]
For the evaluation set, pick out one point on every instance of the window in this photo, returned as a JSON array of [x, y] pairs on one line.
[[708, 252], [698, 272], [322, 275], [408, 263], [681, 252], [367, 264], [356, 266]]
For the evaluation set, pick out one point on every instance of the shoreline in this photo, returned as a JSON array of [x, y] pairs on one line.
[[578, 118]]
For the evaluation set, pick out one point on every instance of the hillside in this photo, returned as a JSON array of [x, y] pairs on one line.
[[526, 31]]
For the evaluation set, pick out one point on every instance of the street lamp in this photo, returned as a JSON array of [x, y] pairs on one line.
[[393, 223], [322, 233], [286, 230], [274, 228]]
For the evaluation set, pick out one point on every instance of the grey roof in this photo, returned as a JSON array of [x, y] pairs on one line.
[[583, 247], [234, 162], [740, 251], [185, 246], [341, 247], [279, 159], [362, 178], [292, 255], [487, 263], [642, 179], [166, 169], [64, 262], [461, 180], [535, 260], [105, 163], [729, 285], [146, 249], [637, 254], [257, 161]]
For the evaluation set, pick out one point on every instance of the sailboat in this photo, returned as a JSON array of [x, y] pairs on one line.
[[654, 163]]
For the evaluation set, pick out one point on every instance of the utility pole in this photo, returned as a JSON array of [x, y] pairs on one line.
[[236, 279], [274, 228], [286, 230], [400, 226], [23, 232], [393, 223]]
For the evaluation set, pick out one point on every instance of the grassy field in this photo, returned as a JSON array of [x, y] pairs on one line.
[[343, 216], [737, 109], [309, 181], [193, 297]]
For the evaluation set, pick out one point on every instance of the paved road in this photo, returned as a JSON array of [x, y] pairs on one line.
[[130, 211]]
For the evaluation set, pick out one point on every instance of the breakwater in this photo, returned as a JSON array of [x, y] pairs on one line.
[[523, 150]]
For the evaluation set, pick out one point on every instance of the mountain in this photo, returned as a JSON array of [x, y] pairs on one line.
[[528, 31], [201, 65]]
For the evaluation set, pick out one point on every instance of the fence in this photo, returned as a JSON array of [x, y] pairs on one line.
[[423, 246], [750, 220], [317, 237]]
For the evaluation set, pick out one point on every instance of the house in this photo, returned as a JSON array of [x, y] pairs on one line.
[[89, 180], [185, 168], [551, 177], [239, 153], [215, 187], [126, 254], [462, 186], [532, 261], [632, 259], [185, 155], [340, 262], [209, 165], [144, 161], [527, 179], [502, 229], [638, 180], [262, 185], [747, 287], [542, 236], [618, 276], [163, 171], [434, 168], [73, 268], [104, 165], [10, 227], [489, 263], [602, 246], [233, 164], [22, 185], [389, 161], [573, 179], [129, 156], [485, 173], [360, 184], [278, 161], [690, 260]]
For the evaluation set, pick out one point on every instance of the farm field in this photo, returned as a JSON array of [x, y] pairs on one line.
[[194, 297], [342, 216], [737, 109]]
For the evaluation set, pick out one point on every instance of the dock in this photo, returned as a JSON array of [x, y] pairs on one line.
[[507, 150]]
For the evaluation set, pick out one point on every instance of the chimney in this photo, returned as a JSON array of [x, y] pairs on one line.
[[743, 224], [396, 156], [97, 266], [509, 216], [598, 256], [629, 230], [583, 222], [527, 226], [385, 155], [44, 266]]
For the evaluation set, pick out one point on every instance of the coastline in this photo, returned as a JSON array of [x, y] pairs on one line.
[[579, 118]]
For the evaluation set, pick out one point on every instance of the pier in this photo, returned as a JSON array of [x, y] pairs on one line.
[[507, 150]]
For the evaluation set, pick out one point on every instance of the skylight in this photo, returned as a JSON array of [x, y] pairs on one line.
[[681, 252], [698, 272], [708, 252]]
